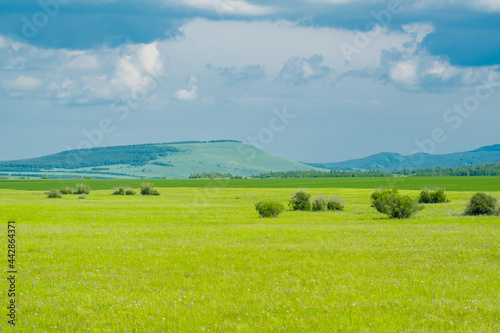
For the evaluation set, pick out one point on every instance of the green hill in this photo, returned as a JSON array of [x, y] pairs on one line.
[[170, 160], [393, 161]]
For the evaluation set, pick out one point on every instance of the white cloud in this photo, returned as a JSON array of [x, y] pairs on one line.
[[190, 93], [22, 83], [227, 7], [82, 77]]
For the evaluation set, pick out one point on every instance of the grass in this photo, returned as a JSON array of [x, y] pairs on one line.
[[407, 183], [200, 259]]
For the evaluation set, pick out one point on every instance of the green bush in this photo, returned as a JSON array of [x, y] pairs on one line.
[[148, 189], [54, 194], [269, 208], [425, 197], [119, 191], [45, 177], [300, 201], [66, 190], [129, 191], [437, 196], [82, 189], [481, 204], [319, 203], [395, 205], [335, 203], [82, 196]]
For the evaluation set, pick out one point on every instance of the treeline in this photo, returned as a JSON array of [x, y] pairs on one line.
[[489, 169], [214, 175], [136, 155]]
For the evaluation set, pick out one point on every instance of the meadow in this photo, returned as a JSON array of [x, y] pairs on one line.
[[198, 258]]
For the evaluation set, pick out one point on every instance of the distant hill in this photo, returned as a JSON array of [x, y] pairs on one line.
[[170, 160], [394, 161]]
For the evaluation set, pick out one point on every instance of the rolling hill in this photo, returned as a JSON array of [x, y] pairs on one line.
[[169, 160], [394, 161]]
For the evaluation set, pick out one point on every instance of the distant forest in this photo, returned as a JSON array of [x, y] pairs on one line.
[[489, 169], [95, 157]]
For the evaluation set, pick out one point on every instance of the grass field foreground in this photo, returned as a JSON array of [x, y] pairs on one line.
[[198, 260]]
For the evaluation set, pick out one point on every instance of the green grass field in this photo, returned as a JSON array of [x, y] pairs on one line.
[[199, 259], [408, 183]]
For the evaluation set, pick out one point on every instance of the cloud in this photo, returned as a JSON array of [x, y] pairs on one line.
[[297, 71], [228, 7], [190, 93], [234, 75], [20, 86], [82, 77]]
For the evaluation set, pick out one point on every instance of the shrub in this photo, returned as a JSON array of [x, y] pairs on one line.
[[425, 197], [129, 191], [319, 203], [395, 205], [300, 201], [269, 208], [66, 190], [82, 196], [45, 177], [437, 196], [54, 194], [481, 204], [119, 191], [82, 189], [335, 203], [148, 189]]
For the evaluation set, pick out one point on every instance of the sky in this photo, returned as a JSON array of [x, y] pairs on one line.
[[309, 80]]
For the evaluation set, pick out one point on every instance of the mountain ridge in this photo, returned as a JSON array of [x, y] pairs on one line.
[[393, 161]]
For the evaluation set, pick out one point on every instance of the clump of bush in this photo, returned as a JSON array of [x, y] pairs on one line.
[[129, 191], [82, 196], [335, 203], [148, 189], [269, 208], [123, 191], [66, 190], [319, 203], [300, 201], [54, 194], [481, 204], [394, 204], [437, 196], [82, 189]]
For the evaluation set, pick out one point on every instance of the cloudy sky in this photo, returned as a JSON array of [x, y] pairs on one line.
[[310, 80]]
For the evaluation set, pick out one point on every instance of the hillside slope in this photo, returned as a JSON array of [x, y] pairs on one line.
[[393, 161], [170, 160]]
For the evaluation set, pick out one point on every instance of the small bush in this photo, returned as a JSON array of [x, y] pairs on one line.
[[425, 197], [319, 203], [395, 205], [130, 191], [481, 204], [437, 196], [335, 203], [82, 189], [269, 208], [54, 194], [119, 191], [3, 178], [300, 201], [82, 196], [45, 177], [148, 189], [66, 190]]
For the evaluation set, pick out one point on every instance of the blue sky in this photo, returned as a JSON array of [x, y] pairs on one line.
[[343, 78]]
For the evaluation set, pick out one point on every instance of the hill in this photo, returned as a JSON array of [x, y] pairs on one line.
[[170, 160], [394, 161]]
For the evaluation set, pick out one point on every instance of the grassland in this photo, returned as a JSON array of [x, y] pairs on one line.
[[408, 183], [199, 259]]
